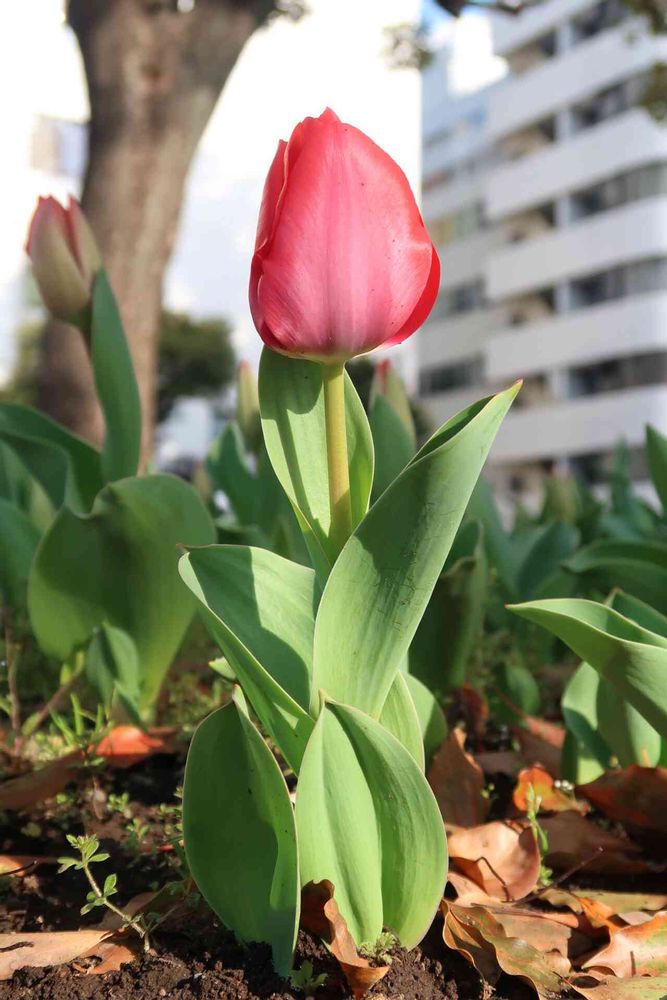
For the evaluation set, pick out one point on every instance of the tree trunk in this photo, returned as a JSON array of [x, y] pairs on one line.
[[154, 75]]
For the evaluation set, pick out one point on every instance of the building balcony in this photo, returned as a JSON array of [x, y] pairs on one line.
[[635, 325], [581, 72], [632, 140], [463, 260], [580, 426], [630, 233], [512, 33], [452, 339]]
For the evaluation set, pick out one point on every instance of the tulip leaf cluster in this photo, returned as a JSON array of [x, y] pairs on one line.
[[318, 654]]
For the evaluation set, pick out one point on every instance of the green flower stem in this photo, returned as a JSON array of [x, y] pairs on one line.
[[339, 469], [130, 921]]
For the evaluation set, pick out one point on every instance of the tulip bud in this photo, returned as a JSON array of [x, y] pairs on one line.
[[388, 383], [65, 258], [343, 262], [247, 407]]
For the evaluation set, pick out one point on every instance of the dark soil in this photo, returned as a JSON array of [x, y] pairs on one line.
[[193, 957]]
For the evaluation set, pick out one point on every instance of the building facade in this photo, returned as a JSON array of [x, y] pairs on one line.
[[547, 197]]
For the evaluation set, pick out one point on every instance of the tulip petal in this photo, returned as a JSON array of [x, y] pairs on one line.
[[349, 264]]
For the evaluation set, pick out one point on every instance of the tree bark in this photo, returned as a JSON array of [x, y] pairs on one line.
[[154, 75]]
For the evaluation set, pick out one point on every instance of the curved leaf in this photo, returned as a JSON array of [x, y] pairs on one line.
[[393, 444], [631, 658], [292, 405], [67, 467], [239, 833], [19, 539], [640, 568], [118, 565], [399, 716], [259, 608], [382, 581], [115, 383], [368, 821], [432, 720]]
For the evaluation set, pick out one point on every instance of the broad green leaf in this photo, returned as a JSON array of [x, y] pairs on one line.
[[630, 657], [502, 554], [432, 720], [229, 472], [453, 619], [392, 442], [118, 565], [586, 748], [112, 667], [292, 405], [639, 612], [19, 487], [382, 581], [368, 821], [18, 541], [632, 739], [517, 684], [656, 454], [543, 548], [66, 466], [399, 716], [640, 568], [239, 833], [259, 608], [115, 383]]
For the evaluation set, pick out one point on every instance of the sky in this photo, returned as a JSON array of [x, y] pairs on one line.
[[334, 56]]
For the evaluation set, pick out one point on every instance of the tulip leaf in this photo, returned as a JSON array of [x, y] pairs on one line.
[[393, 444], [116, 384], [432, 720], [383, 579], [18, 541], [292, 404], [228, 471], [259, 608], [640, 568], [112, 667], [452, 623], [656, 454], [585, 754], [631, 658], [118, 565], [372, 827], [66, 466], [399, 716], [240, 834]]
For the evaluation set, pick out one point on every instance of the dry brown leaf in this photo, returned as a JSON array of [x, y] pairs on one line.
[[503, 859], [636, 988], [550, 932], [541, 742], [635, 951], [576, 840], [500, 762], [320, 915], [127, 745], [476, 933], [458, 783], [36, 786], [112, 955], [19, 865], [475, 710], [37, 950], [635, 796], [551, 798]]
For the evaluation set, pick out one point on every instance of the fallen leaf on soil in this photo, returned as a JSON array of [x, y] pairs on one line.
[[635, 951], [636, 796], [636, 988], [575, 840], [628, 902], [551, 798], [19, 865], [503, 859], [112, 955], [541, 742], [35, 786], [18, 951], [122, 747], [321, 916], [127, 745], [458, 783], [483, 941]]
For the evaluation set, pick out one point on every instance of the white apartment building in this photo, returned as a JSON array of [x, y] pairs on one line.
[[547, 197]]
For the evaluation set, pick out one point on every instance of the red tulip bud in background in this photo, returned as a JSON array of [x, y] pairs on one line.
[[64, 256], [343, 262]]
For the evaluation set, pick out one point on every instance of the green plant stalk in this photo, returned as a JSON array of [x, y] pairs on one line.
[[128, 920], [337, 458]]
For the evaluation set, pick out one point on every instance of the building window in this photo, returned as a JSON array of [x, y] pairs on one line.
[[459, 300], [645, 182], [444, 378], [467, 221], [616, 374], [642, 276], [601, 17]]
